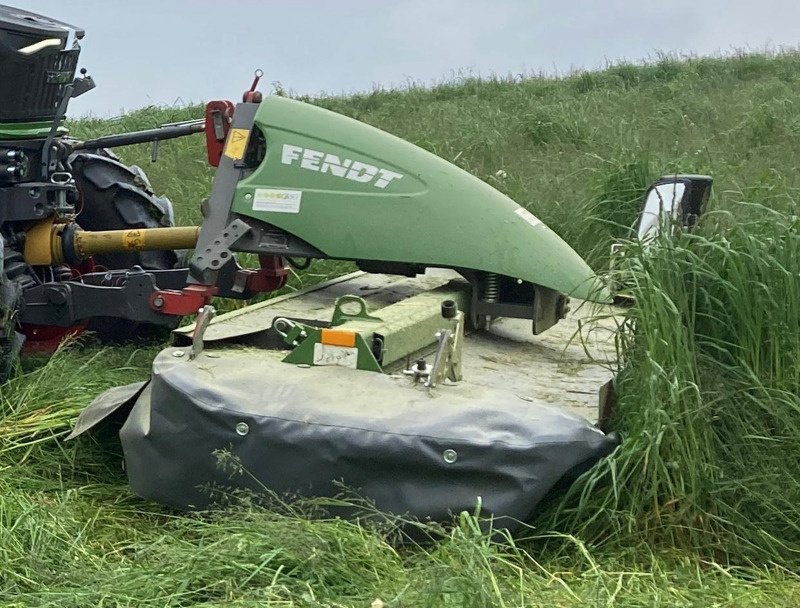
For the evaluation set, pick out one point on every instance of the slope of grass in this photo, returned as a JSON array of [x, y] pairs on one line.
[[698, 507]]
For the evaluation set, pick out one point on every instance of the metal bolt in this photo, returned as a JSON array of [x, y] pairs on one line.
[[177, 353], [248, 196], [450, 456], [56, 296], [158, 302], [242, 428]]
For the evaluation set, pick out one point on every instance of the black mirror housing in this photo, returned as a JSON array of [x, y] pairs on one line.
[[695, 197]]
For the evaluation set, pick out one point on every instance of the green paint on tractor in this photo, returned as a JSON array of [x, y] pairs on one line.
[[27, 130]]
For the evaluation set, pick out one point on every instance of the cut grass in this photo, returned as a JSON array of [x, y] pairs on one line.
[[42, 403], [698, 507], [86, 550]]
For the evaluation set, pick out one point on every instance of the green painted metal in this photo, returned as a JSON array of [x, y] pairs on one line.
[[404, 330], [27, 130], [407, 328], [303, 353], [341, 314], [392, 201]]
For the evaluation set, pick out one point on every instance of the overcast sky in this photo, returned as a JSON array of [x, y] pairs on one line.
[[144, 52]]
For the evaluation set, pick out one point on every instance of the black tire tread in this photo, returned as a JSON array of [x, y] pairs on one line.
[[116, 197]]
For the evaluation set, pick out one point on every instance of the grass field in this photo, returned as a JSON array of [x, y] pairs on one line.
[[699, 507]]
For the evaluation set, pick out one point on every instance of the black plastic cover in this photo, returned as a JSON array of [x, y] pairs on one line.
[[300, 431], [31, 86], [17, 21]]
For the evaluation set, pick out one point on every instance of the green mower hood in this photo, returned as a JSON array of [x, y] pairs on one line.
[[356, 192]]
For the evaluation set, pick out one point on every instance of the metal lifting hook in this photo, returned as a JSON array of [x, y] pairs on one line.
[[251, 95]]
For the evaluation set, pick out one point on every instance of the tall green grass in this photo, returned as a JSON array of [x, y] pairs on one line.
[[709, 390], [40, 403]]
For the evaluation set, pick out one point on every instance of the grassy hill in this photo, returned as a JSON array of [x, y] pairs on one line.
[[700, 505]]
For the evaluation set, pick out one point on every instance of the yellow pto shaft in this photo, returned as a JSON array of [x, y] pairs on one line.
[[49, 243], [144, 239]]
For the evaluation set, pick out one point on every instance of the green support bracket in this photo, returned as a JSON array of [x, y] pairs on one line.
[[340, 314], [313, 351], [322, 346], [359, 340]]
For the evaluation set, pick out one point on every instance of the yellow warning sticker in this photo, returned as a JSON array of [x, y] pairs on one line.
[[132, 239], [237, 143]]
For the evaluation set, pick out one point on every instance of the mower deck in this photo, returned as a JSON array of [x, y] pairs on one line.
[[565, 366], [518, 422]]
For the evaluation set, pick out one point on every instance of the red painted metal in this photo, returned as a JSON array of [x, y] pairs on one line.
[[272, 275], [47, 338], [251, 95], [218, 120], [187, 301]]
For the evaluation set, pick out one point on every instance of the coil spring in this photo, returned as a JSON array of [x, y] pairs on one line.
[[62, 273], [491, 287]]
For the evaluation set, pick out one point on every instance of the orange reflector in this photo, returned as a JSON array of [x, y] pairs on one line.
[[338, 337]]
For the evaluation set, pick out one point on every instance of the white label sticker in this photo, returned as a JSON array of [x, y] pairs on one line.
[[279, 201], [325, 354], [528, 216]]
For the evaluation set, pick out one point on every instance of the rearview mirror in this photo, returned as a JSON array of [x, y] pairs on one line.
[[662, 201], [681, 198]]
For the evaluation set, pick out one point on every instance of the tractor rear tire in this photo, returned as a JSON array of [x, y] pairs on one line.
[[114, 196], [10, 339]]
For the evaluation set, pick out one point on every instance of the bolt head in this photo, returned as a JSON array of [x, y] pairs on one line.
[[56, 296], [450, 456]]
